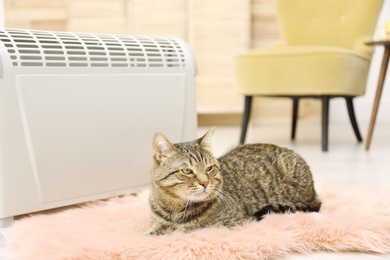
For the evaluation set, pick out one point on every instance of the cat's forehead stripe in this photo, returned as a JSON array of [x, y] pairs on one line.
[[193, 159]]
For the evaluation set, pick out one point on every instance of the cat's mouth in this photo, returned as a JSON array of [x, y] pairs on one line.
[[201, 194]]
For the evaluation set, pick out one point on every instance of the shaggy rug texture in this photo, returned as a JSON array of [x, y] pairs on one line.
[[349, 220]]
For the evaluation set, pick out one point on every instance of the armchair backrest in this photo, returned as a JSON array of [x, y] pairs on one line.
[[343, 23]]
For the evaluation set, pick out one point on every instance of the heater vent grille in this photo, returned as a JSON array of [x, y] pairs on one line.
[[63, 49]]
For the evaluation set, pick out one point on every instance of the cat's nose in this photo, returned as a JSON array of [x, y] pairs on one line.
[[204, 184]]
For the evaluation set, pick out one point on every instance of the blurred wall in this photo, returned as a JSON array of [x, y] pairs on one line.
[[2, 14]]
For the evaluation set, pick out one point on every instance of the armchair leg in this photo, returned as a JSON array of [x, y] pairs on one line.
[[351, 113], [245, 120], [294, 116], [325, 122]]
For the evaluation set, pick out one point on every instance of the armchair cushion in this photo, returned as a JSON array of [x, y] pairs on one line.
[[303, 70]]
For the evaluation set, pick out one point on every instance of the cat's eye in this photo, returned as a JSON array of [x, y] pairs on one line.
[[208, 169], [186, 171]]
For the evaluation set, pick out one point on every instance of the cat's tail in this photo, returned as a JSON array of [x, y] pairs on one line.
[[313, 206]]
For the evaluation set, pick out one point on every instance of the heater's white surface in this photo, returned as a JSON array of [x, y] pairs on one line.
[[78, 113]]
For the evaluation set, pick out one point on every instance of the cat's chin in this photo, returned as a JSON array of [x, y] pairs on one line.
[[198, 195], [202, 196]]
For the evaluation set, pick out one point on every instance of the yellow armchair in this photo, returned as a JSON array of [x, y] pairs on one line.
[[323, 56]]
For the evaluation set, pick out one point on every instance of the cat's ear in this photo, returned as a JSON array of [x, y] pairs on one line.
[[162, 147], [207, 140]]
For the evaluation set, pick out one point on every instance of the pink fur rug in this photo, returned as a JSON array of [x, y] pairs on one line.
[[349, 220]]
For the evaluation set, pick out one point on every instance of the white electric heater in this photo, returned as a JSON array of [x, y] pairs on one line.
[[78, 113]]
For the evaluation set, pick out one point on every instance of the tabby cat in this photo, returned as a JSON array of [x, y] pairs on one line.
[[192, 189]]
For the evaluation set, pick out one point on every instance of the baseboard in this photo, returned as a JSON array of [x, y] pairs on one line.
[[217, 119]]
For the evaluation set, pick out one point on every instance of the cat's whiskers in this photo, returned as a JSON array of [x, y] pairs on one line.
[[179, 211], [175, 210], [185, 208], [226, 198], [180, 208], [190, 206]]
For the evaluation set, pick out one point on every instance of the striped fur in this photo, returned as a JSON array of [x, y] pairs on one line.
[[192, 189]]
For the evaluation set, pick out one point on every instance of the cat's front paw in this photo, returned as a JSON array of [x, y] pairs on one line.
[[184, 229], [151, 232], [157, 230]]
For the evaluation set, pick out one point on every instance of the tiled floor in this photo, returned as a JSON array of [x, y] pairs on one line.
[[346, 163]]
